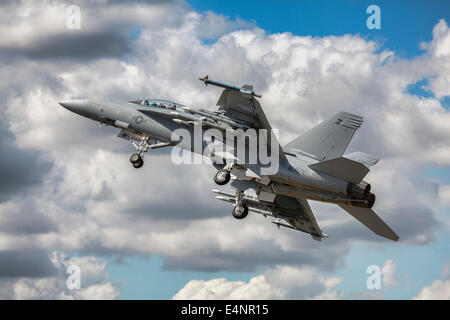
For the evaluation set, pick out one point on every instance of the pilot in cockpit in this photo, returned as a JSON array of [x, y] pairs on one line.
[[158, 104]]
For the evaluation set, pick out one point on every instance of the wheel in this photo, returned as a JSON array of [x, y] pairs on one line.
[[135, 158], [138, 164], [240, 212], [222, 177]]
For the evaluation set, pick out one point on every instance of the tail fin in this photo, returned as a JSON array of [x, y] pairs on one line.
[[330, 138], [372, 221]]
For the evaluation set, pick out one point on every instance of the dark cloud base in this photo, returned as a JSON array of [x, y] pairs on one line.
[[74, 47], [19, 169], [26, 263]]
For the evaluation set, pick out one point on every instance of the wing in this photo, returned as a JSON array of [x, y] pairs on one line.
[[328, 139], [242, 107], [302, 218], [238, 105]]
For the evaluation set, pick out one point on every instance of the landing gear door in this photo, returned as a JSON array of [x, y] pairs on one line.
[[128, 135]]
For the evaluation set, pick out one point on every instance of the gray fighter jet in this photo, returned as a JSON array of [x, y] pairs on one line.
[[311, 167]]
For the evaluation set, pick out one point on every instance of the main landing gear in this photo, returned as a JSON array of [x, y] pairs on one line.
[[222, 177], [240, 210]]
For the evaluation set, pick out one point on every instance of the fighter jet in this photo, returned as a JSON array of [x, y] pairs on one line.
[[313, 166]]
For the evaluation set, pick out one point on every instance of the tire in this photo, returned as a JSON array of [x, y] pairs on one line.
[[240, 215], [135, 158], [222, 177], [139, 164]]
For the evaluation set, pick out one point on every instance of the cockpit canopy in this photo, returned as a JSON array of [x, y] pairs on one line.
[[156, 103]]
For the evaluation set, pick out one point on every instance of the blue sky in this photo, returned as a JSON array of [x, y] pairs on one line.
[[404, 24]]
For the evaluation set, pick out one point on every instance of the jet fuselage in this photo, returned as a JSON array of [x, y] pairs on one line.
[[293, 178]]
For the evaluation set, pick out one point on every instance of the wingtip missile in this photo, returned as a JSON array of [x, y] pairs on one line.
[[225, 199], [317, 237], [204, 79], [246, 89], [222, 193]]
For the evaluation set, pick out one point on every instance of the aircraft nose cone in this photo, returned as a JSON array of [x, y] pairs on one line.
[[76, 105]]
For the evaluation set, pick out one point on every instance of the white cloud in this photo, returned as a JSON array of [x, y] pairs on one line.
[[19, 20], [282, 282], [389, 272], [444, 194], [91, 164], [95, 283], [439, 48], [96, 202], [438, 290]]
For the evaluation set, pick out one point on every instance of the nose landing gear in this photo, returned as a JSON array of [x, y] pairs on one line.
[[136, 159], [146, 143]]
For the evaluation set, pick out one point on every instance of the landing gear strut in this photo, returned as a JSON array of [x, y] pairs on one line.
[[136, 159], [240, 210]]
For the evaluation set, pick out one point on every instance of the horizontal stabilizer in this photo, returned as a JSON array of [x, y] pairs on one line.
[[363, 158], [342, 168], [372, 221]]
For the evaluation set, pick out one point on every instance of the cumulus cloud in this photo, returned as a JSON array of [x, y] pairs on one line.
[[105, 31], [31, 32], [282, 282], [20, 170], [85, 197], [389, 272], [444, 194], [25, 263], [439, 49], [438, 289], [95, 283], [24, 218]]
